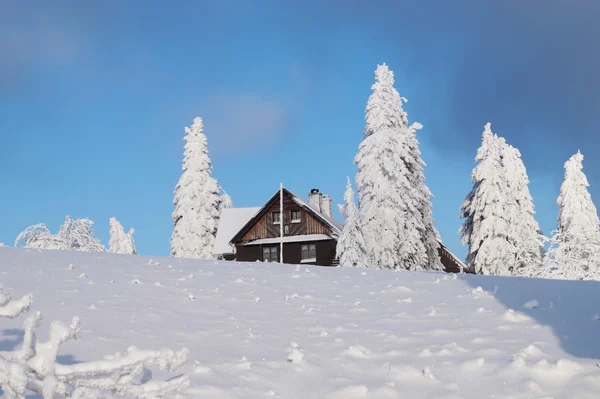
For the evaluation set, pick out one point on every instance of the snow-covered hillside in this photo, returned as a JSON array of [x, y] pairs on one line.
[[270, 330]]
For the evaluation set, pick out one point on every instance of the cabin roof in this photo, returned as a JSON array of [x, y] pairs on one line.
[[232, 220], [336, 227]]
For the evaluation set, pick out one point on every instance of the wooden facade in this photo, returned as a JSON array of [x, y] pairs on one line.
[[307, 223]]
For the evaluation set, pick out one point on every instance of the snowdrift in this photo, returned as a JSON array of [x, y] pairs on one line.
[[269, 330]]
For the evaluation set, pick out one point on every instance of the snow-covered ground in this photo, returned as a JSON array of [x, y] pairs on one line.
[[270, 330]]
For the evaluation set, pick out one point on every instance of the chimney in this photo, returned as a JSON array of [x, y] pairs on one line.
[[315, 199], [326, 207]]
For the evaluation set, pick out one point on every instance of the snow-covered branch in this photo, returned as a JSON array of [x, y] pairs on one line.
[[33, 368], [73, 235]]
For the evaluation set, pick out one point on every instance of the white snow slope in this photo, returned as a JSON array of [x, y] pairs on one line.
[[270, 330]]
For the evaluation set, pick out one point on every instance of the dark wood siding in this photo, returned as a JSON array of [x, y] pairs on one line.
[[291, 252], [450, 264], [265, 228]]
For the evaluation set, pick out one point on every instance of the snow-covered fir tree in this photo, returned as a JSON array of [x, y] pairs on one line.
[[574, 252], [486, 229], [351, 249], [384, 108], [120, 242], [73, 235], [197, 200], [520, 214], [394, 202]]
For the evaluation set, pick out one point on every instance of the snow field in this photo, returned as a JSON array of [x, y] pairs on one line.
[[270, 330]]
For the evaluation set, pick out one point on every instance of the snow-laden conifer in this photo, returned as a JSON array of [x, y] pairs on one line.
[[574, 252], [520, 211], [197, 200], [384, 110], [120, 242], [486, 229], [73, 235], [394, 201], [350, 249], [226, 202], [32, 368]]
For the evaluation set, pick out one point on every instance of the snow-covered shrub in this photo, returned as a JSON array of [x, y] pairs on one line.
[[33, 367], [73, 235], [120, 242]]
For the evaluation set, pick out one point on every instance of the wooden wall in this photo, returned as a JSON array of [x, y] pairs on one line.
[[264, 227], [291, 252]]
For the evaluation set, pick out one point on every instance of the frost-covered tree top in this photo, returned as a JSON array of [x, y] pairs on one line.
[[73, 235], [197, 199], [384, 107], [226, 202], [578, 216], [351, 249], [120, 242]]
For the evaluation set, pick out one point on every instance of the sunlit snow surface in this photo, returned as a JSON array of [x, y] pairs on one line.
[[269, 330]]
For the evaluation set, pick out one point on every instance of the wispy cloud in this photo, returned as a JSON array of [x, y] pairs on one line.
[[239, 120]]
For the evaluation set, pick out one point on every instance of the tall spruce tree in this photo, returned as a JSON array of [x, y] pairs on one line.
[[197, 200], [528, 243], [394, 202], [486, 229], [574, 252], [351, 245]]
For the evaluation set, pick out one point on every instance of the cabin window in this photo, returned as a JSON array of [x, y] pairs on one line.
[[296, 217], [270, 254], [286, 229], [276, 217], [308, 253]]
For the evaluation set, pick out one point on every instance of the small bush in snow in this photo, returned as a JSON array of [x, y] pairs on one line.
[[33, 367], [73, 235], [120, 242]]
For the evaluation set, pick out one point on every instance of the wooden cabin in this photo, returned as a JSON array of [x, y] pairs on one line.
[[310, 233]]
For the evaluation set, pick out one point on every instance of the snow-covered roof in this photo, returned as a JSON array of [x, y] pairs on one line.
[[232, 220], [454, 257], [288, 239]]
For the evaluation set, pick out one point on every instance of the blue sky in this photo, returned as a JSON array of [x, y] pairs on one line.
[[94, 97]]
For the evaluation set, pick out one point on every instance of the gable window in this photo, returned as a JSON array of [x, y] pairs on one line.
[[308, 253], [276, 217], [296, 217], [270, 254]]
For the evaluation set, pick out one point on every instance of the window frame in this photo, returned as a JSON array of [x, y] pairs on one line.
[[273, 217], [299, 216], [273, 254], [309, 248]]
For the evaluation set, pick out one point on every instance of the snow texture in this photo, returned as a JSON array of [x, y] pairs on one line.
[[499, 227], [574, 252], [34, 367], [351, 250], [197, 198], [317, 332], [120, 242], [73, 235]]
